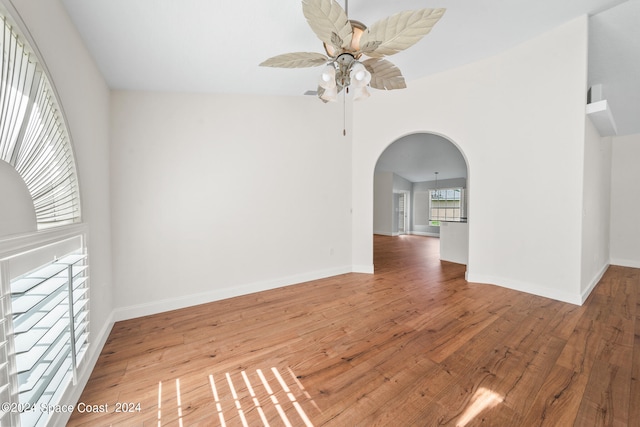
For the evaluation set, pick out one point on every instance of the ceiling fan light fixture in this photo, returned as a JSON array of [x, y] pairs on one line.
[[359, 75], [346, 41], [360, 93], [330, 94], [328, 77]]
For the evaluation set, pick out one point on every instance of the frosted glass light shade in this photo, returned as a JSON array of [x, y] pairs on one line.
[[328, 78], [330, 94], [360, 93], [359, 76]]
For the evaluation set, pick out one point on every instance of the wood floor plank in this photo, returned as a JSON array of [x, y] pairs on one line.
[[606, 398], [558, 400], [634, 393], [413, 344]]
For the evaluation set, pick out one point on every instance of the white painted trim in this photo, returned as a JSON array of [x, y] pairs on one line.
[[596, 279], [15, 244], [368, 269], [416, 233], [633, 263], [154, 307], [72, 395], [530, 288], [424, 233]]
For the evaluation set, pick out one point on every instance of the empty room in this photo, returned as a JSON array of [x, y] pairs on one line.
[[319, 212]]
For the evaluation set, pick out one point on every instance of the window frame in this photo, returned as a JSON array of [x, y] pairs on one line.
[[435, 221]]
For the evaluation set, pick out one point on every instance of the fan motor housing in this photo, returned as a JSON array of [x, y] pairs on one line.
[[358, 29]]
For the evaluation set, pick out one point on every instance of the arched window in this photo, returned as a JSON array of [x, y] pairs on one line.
[[33, 135], [44, 280]]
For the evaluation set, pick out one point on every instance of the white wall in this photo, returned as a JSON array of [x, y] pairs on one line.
[[596, 208], [17, 216], [517, 114], [454, 242], [625, 201], [219, 195], [401, 185], [383, 203], [387, 186], [84, 97]]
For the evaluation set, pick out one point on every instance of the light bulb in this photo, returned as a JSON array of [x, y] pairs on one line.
[[328, 77], [359, 75]]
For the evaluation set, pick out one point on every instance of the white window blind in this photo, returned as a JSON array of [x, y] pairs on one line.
[[45, 327], [7, 391], [33, 135]]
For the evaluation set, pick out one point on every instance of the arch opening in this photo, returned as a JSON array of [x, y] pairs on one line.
[[429, 174]]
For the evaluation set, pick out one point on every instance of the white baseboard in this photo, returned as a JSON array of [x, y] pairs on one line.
[[72, 396], [362, 269], [633, 263], [416, 233], [530, 288], [425, 233], [168, 304], [596, 279]]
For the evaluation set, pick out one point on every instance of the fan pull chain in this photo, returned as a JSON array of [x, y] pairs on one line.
[[344, 111]]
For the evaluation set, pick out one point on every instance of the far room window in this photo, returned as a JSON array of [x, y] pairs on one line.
[[445, 204]]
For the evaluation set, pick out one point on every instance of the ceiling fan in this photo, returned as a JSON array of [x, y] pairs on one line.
[[346, 41]]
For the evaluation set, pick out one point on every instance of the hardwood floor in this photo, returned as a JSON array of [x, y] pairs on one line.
[[414, 344]]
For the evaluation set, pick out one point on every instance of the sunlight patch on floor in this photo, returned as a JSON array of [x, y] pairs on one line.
[[481, 400], [256, 402], [235, 398], [302, 389], [179, 401], [244, 398], [273, 397], [292, 398], [214, 390], [159, 403]]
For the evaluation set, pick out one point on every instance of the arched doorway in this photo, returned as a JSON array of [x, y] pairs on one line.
[[429, 174]]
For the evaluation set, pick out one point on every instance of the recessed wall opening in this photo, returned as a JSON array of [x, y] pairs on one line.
[[421, 188]]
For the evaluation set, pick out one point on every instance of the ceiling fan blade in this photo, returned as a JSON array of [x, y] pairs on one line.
[[369, 47], [329, 21], [384, 74], [400, 31], [296, 60]]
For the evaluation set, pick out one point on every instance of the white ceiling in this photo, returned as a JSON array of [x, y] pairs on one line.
[[215, 47], [417, 157]]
